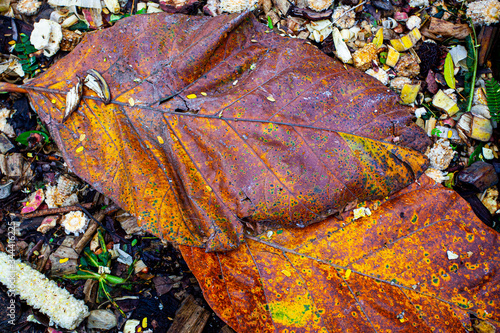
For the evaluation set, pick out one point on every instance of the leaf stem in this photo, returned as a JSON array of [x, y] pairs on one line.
[[9, 87]]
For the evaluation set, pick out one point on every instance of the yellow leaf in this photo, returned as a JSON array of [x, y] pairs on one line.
[[271, 98], [160, 139], [379, 38], [287, 273], [191, 96], [347, 274], [131, 101], [79, 149], [449, 71], [63, 260]]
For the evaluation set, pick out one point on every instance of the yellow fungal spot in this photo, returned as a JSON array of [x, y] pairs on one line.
[[203, 93], [82, 137], [145, 322], [160, 139], [271, 98], [191, 96], [63, 260], [131, 101]]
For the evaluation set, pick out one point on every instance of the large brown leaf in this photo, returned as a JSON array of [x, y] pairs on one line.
[[390, 272], [278, 132]]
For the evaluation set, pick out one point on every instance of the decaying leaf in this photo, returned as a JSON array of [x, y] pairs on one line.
[[97, 83], [388, 272], [230, 157], [73, 98]]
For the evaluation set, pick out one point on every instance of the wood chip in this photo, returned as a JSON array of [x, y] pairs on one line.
[[190, 318]]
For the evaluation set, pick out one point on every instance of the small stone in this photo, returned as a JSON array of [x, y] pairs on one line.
[[477, 177], [101, 319], [407, 66]]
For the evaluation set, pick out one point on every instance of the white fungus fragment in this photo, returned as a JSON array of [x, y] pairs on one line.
[[420, 112], [413, 22], [361, 212], [319, 5], [74, 222], [418, 3], [5, 127], [484, 12], [441, 154], [46, 36], [236, 6], [343, 17], [437, 175], [28, 7]]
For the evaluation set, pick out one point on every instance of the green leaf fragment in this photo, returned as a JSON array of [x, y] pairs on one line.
[[270, 22], [493, 98]]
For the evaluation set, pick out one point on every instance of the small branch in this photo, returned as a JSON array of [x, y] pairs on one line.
[[53, 211]]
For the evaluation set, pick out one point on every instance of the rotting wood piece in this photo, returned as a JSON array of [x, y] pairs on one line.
[[226, 329], [190, 318], [89, 233], [487, 38]]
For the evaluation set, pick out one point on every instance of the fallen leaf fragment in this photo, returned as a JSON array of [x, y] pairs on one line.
[[35, 200], [387, 288], [445, 103], [73, 98], [439, 29], [227, 158], [98, 84]]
